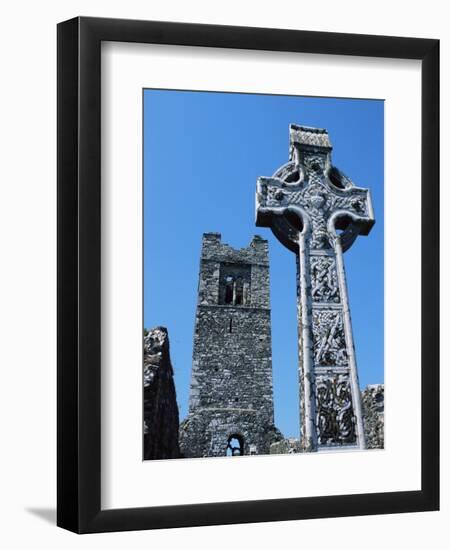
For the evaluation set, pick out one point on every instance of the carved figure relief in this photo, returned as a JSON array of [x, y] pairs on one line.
[[335, 419], [324, 283], [315, 164], [329, 339]]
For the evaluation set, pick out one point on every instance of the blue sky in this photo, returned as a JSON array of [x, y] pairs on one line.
[[203, 152]]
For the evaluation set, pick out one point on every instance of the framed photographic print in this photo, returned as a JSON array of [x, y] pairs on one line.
[[248, 304]]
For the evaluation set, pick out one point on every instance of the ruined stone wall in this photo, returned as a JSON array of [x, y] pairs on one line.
[[231, 383], [373, 408], [290, 445], [161, 421]]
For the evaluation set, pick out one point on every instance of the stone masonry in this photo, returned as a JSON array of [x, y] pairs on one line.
[[231, 397], [161, 420]]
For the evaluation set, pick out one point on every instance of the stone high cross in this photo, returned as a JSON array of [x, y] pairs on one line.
[[317, 212]]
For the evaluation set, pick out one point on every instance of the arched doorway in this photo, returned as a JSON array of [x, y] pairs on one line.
[[235, 445]]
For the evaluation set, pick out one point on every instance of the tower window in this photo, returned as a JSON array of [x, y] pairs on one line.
[[234, 284]]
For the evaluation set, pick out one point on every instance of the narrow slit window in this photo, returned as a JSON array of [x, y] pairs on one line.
[[239, 292]]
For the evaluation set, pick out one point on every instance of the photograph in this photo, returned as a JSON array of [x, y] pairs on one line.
[[224, 248], [263, 274], [248, 273]]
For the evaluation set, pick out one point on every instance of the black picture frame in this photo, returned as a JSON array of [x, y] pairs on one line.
[[79, 280]]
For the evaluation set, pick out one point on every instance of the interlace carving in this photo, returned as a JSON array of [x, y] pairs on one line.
[[317, 197], [335, 419]]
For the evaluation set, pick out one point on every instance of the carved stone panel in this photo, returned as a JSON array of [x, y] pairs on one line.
[[329, 339], [324, 282], [335, 418]]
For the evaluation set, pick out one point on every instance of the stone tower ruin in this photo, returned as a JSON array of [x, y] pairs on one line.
[[231, 397]]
